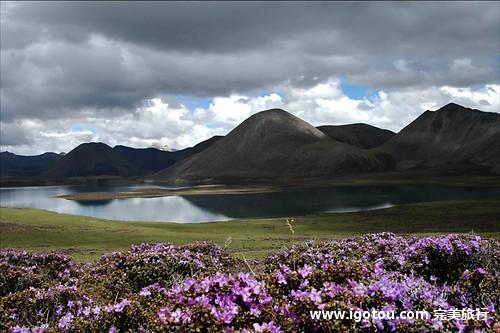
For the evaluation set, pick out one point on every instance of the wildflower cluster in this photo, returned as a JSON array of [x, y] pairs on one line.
[[122, 273], [199, 287], [23, 269]]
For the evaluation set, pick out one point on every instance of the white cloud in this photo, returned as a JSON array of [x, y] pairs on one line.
[[232, 110], [325, 103], [486, 98]]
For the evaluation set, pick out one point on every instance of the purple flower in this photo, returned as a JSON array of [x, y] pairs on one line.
[[303, 285], [65, 321], [305, 271], [145, 292], [461, 326], [96, 311], [358, 289], [40, 329], [285, 269], [189, 283], [281, 277], [270, 327], [120, 306]]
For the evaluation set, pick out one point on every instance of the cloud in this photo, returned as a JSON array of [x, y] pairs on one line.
[[231, 111], [325, 104]]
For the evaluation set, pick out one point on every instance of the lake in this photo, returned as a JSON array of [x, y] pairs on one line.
[[221, 207]]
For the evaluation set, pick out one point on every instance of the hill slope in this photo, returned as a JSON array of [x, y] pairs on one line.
[[270, 144], [451, 135], [149, 160], [92, 159], [360, 135]]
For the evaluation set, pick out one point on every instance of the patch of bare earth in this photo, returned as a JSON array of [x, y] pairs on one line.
[[15, 227]]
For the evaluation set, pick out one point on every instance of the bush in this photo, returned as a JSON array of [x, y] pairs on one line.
[[123, 273], [23, 269], [199, 288]]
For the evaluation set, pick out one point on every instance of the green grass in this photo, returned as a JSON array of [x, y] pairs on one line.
[[87, 238]]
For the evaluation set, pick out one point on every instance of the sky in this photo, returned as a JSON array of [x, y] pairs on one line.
[[171, 74]]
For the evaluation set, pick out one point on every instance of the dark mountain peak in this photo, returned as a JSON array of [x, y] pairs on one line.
[[451, 107], [271, 115], [271, 111], [355, 126], [451, 134], [92, 159], [360, 135], [90, 146], [270, 124], [120, 148]]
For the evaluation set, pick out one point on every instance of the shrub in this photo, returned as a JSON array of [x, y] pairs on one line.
[[200, 288], [23, 269], [121, 274]]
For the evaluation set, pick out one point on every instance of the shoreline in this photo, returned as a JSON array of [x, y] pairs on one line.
[[86, 238], [158, 192], [381, 178]]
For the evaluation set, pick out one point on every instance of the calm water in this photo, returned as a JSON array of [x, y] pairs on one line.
[[220, 207]]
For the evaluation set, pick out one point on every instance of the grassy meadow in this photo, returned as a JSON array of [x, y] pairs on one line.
[[87, 238]]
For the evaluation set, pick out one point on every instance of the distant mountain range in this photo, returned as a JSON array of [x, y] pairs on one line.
[[12, 165], [275, 145], [95, 159]]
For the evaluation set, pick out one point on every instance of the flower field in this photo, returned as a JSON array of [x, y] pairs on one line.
[[201, 288]]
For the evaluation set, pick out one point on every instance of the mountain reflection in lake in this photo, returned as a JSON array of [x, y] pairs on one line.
[[203, 208]]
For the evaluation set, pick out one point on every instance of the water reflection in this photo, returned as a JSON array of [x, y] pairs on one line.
[[333, 199], [174, 209], [201, 208]]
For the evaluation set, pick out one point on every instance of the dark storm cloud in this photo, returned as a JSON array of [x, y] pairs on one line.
[[59, 58], [15, 134], [237, 27], [206, 27]]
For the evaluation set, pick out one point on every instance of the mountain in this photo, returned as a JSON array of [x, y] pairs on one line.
[[269, 145], [12, 165], [275, 145], [99, 159], [453, 136], [149, 160], [360, 135], [93, 159]]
